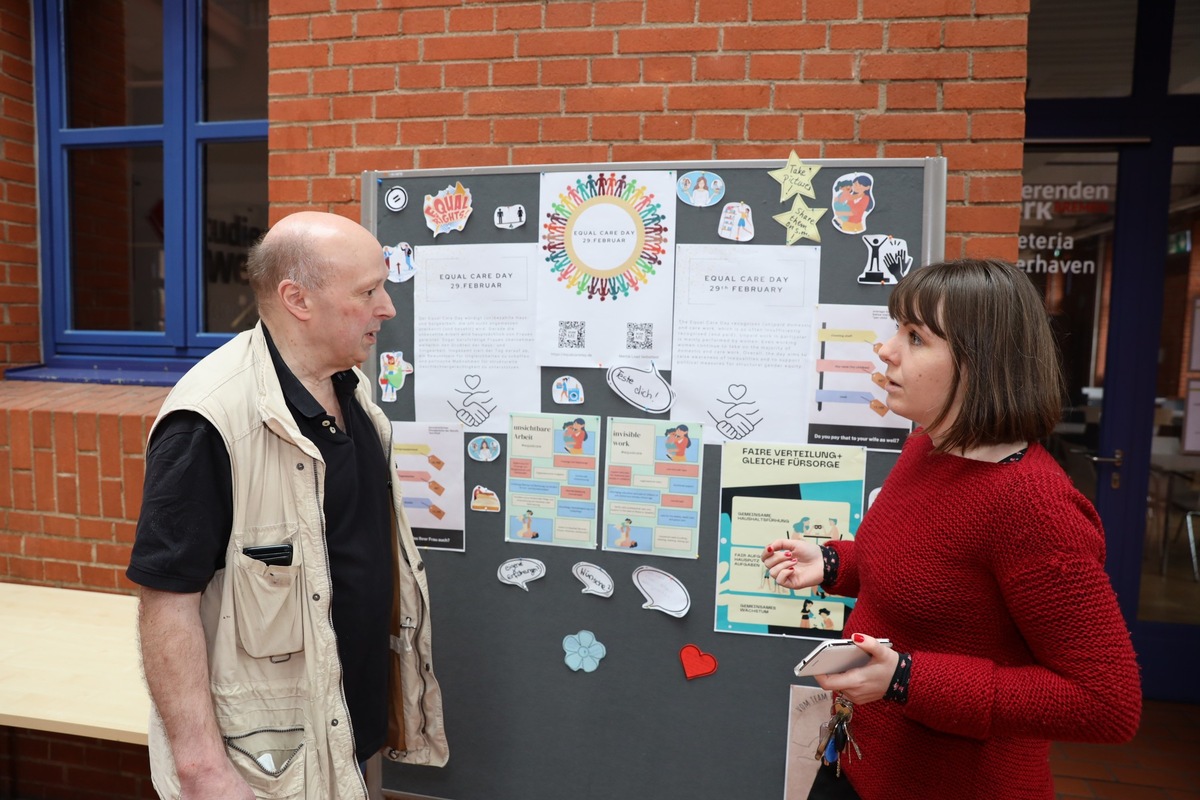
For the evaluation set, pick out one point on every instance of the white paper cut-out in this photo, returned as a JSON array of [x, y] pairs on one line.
[[662, 590], [521, 571]]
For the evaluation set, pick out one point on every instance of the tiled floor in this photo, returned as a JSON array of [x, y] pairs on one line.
[[1161, 763]]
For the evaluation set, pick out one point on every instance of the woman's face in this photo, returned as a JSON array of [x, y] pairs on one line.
[[920, 372]]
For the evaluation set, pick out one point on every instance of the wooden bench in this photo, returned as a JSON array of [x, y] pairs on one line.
[[69, 663]]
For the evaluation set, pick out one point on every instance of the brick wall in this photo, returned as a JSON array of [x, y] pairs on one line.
[[19, 312], [36, 765], [71, 472], [403, 84]]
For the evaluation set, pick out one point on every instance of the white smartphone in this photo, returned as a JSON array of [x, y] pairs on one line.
[[834, 655]]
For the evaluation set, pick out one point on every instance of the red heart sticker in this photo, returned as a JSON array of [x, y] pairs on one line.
[[697, 664]]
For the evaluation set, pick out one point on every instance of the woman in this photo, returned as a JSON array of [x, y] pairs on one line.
[[678, 441], [862, 202], [978, 559], [574, 435]]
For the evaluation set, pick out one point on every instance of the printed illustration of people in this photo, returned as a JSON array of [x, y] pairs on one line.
[[574, 435], [473, 408], [527, 531], [741, 416], [678, 443], [400, 263], [567, 391], [806, 614], [625, 530], [700, 189], [819, 530], [737, 222], [483, 448], [392, 371], [853, 200], [509, 217], [887, 260]]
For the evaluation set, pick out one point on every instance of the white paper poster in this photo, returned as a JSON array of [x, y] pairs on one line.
[[848, 405], [427, 460], [552, 487], [652, 487], [743, 327], [473, 322], [605, 268]]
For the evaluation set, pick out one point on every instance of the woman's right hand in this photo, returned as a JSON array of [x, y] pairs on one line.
[[794, 563]]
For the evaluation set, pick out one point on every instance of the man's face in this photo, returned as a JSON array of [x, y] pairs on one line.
[[349, 310]]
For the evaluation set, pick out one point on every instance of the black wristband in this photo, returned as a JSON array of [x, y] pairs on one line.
[[830, 558], [898, 689]]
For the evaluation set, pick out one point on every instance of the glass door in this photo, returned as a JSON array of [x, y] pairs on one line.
[[1111, 249], [1170, 571]]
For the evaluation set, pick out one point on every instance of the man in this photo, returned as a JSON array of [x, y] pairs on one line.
[[284, 614]]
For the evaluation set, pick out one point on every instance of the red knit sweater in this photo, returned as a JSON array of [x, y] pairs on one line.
[[992, 576]]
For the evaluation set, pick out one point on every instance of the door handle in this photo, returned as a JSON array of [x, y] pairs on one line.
[[1117, 458]]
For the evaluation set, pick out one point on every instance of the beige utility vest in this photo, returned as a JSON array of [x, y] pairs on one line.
[[274, 669]]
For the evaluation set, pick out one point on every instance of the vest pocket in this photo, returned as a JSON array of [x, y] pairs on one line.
[[267, 607], [271, 760]]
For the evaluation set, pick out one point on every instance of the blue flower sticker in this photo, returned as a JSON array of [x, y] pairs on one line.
[[583, 651]]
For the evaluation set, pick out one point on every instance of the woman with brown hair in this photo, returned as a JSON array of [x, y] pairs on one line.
[[979, 560]]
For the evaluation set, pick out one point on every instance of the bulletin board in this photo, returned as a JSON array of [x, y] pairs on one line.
[[507, 281]]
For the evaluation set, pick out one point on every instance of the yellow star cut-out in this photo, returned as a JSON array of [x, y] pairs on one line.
[[801, 221], [795, 178]]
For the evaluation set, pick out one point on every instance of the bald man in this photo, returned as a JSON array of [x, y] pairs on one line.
[[284, 615]]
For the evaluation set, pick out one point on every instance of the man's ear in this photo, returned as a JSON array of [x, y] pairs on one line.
[[294, 299]]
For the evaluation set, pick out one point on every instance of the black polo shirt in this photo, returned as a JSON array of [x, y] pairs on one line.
[[187, 514]]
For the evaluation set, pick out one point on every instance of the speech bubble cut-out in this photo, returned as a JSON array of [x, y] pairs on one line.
[[594, 579], [696, 663], [644, 389], [521, 571], [662, 590]]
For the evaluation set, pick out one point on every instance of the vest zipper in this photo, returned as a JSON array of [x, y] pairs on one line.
[[362, 781], [229, 742], [420, 615]]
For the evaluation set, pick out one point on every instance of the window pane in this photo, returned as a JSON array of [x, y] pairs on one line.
[[235, 59], [116, 238], [1069, 199], [235, 214], [1185, 49], [1081, 48], [114, 62], [1170, 571]]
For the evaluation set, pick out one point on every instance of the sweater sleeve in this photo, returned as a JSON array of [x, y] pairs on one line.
[[1083, 684]]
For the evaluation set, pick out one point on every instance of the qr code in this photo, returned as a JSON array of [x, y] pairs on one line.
[[639, 335], [572, 334]]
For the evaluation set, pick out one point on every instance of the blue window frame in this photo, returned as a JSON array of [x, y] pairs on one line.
[[124, 347]]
